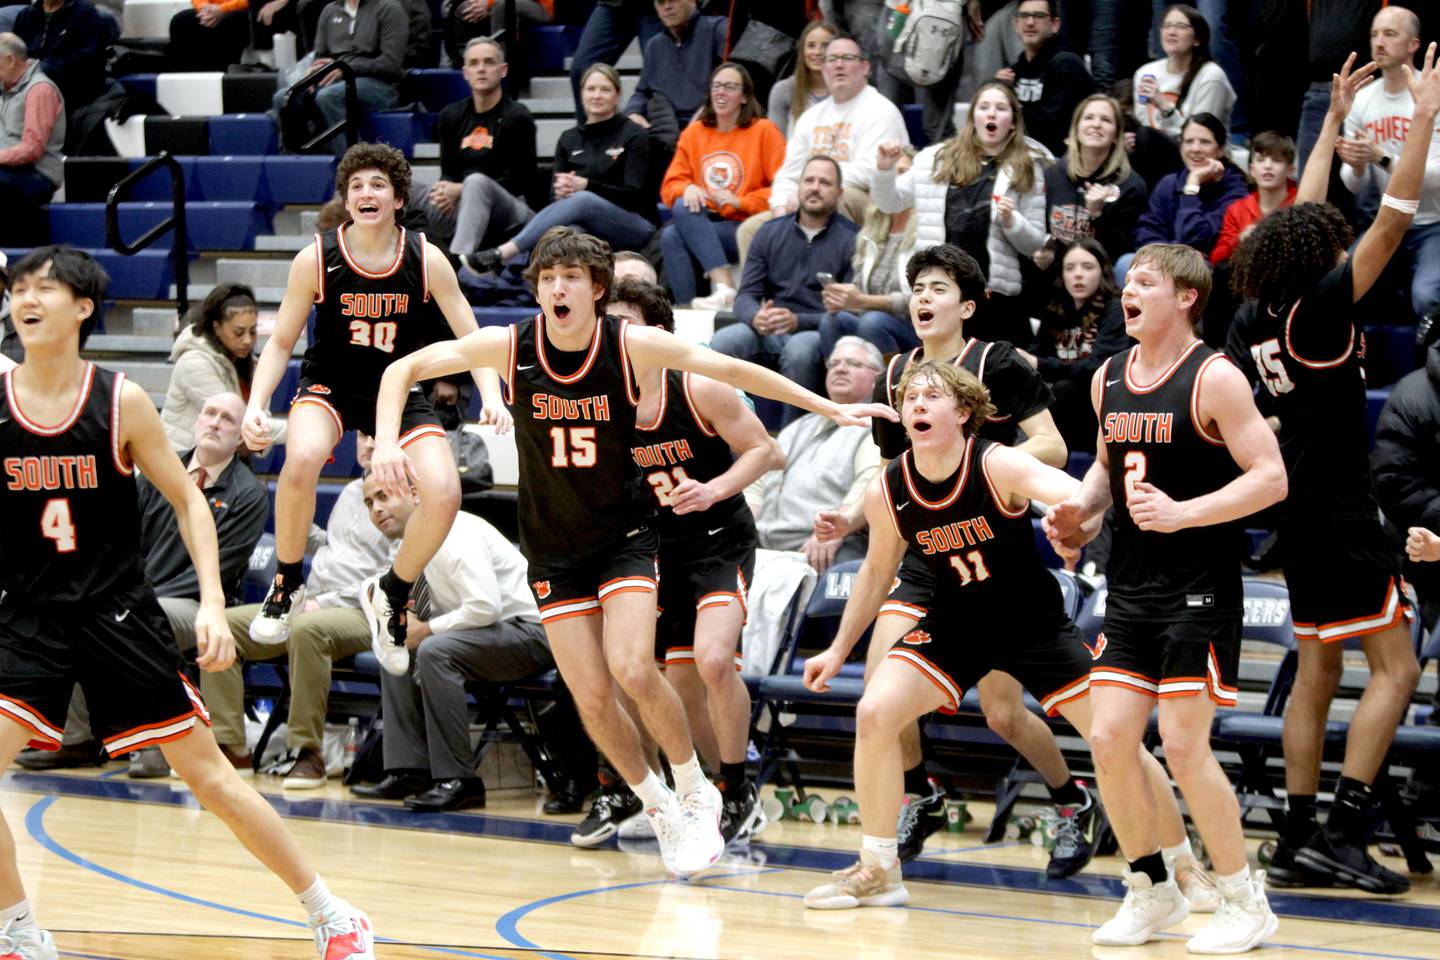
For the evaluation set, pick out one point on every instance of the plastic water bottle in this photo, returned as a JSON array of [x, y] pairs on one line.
[[352, 742], [896, 13]]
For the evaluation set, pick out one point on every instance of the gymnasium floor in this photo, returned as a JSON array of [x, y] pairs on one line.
[[132, 870]]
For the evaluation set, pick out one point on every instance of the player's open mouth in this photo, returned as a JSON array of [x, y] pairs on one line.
[[1132, 311], [924, 316], [920, 426], [991, 127], [561, 311], [30, 320], [369, 208]]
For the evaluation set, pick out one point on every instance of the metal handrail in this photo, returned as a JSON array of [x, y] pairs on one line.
[[176, 220], [349, 123]]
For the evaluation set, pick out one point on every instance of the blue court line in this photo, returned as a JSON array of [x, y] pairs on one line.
[[983, 846], [1028, 880]]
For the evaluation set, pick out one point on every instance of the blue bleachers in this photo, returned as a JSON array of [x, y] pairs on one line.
[[243, 134], [145, 276], [212, 225], [434, 88], [326, 493]]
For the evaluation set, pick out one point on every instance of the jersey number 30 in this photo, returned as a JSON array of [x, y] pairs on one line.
[[380, 335], [55, 524]]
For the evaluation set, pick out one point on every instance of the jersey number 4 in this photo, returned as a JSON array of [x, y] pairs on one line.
[[380, 335], [572, 446], [1271, 367], [55, 524], [663, 482]]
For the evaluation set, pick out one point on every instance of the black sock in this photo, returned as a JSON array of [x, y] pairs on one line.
[[397, 590], [290, 574], [1068, 795], [1299, 819], [916, 781], [732, 775], [1351, 809], [1152, 865]]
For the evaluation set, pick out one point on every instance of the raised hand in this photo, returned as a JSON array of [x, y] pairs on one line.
[[888, 154], [1425, 85], [1348, 82]]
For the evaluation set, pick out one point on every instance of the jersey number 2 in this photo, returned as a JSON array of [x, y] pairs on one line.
[[572, 446], [380, 335], [55, 524]]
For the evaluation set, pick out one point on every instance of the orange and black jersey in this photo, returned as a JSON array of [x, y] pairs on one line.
[[980, 551], [681, 445], [72, 517], [1016, 388], [580, 490], [1152, 432], [1309, 357], [365, 320]]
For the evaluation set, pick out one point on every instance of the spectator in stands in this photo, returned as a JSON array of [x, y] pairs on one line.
[[628, 263], [875, 304], [32, 132], [211, 35], [1091, 192], [1153, 154], [983, 191], [723, 167], [779, 305], [1272, 167], [269, 17], [612, 26], [71, 39], [479, 622], [1186, 82], [371, 36], [1188, 205], [602, 172], [848, 126], [330, 628], [825, 465], [465, 20], [1080, 328], [806, 86], [240, 506], [1375, 132], [677, 62], [1049, 80], [487, 156], [1337, 27], [214, 353]]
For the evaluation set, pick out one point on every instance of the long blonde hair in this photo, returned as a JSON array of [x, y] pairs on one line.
[[1117, 164], [961, 159], [804, 79]]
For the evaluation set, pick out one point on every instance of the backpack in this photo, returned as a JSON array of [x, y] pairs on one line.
[[930, 41]]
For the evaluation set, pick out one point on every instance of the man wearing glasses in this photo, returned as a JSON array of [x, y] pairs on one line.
[[1049, 81]]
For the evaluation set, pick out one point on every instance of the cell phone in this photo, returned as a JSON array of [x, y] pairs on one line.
[[825, 278]]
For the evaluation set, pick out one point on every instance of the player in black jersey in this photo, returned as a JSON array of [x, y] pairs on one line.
[[1304, 342], [963, 503], [76, 607], [586, 515], [699, 446], [370, 282], [1184, 455]]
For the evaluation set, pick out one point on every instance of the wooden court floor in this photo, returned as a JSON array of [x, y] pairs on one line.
[[126, 870]]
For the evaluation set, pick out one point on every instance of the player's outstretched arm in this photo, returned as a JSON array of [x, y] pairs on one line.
[[445, 289], [1043, 440], [867, 592], [483, 348], [1072, 523], [1227, 409], [650, 348], [142, 437], [756, 452], [1017, 476], [300, 292]]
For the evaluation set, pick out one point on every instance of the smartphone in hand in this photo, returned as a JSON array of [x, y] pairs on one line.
[[824, 278]]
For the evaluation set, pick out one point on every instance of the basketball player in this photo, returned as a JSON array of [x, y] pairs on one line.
[[586, 516], [1176, 420], [1344, 575], [76, 606], [699, 446], [370, 281]]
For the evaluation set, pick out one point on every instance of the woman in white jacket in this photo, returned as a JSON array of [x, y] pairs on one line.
[[984, 191]]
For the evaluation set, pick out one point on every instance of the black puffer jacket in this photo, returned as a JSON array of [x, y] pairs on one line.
[[1406, 463]]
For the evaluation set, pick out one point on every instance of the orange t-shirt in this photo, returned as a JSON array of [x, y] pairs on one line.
[[743, 161]]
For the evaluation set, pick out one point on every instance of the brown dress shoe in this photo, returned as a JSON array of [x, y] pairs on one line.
[[239, 758], [308, 772]]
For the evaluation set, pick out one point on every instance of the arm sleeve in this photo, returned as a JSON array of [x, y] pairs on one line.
[[42, 108], [472, 572], [892, 194]]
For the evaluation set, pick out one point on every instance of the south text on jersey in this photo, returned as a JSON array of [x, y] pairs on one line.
[[1139, 427], [545, 406], [954, 536], [52, 473]]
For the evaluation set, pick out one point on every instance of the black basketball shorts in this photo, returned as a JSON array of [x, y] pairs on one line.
[[355, 411], [1177, 658], [696, 573], [1344, 579], [579, 589]]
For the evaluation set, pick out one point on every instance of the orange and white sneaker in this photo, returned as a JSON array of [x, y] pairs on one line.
[[342, 934], [29, 943]]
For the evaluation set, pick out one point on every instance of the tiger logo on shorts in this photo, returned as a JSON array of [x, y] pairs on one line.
[[542, 588], [1099, 647], [917, 638]]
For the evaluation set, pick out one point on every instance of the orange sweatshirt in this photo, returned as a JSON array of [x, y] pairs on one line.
[[743, 161]]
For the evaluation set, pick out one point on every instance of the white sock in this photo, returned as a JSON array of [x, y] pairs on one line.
[[651, 791], [1236, 886], [318, 899], [18, 917], [689, 778], [1172, 854], [884, 849]]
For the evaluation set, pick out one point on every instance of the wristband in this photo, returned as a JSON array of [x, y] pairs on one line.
[[1407, 207]]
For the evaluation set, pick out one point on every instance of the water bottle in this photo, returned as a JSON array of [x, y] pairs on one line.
[[352, 742], [896, 13]]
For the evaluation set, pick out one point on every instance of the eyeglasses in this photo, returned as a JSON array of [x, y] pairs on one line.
[[1033, 16], [1181, 25], [722, 87], [843, 58], [852, 364]]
